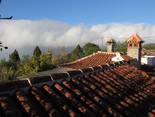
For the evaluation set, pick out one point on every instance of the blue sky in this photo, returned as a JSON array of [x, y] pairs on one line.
[[89, 12]]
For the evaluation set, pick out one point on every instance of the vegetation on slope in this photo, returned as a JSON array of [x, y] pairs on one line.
[[150, 46], [41, 61]]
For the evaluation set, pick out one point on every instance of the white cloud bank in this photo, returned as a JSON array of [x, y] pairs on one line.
[[26, 34]]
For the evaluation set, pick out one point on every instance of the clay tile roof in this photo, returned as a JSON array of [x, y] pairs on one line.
[[99, 58], [119, 91], [126, 57], [135, 38]]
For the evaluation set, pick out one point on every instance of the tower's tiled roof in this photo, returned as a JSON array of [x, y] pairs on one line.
[[135, 38], [95, 59], [117, 90]]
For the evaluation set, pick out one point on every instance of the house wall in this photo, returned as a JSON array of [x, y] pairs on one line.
[[148, 60]]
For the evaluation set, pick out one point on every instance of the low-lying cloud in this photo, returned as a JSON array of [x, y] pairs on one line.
[[24, 35]]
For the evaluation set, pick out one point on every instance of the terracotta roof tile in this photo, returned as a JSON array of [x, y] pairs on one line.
[[121, 91], [135, 38], [99, 58]]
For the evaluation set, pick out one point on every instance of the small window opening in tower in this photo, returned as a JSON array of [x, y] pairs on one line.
[[130, 45]]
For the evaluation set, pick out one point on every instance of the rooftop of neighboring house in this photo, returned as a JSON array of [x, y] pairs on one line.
[[98, 58]]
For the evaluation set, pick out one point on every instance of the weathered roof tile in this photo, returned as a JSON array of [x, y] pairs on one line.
[[122, 91], [99, 58]]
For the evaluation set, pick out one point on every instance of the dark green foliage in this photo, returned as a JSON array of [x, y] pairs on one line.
[[12, 68], [77, 53], [45, 61], [5, 63], [121, 47], [14, 57], [150, 46], [37, 52], [14, 60], [36, 64], [7, 70], [90, 48]]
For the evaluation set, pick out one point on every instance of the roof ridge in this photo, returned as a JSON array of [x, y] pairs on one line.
[[106, 52], [28, 82], [98, 52], [135, 37]]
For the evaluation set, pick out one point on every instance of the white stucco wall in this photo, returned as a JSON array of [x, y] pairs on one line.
[[149, 60]]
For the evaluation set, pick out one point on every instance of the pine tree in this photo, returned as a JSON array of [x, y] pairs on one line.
[[14, 57], [77, 53], [37, 52]]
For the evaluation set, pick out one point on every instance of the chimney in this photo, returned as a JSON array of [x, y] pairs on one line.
[[111, 45]]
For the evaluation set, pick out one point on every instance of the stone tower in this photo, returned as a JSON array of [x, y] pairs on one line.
[[111, 45], [134, 47]]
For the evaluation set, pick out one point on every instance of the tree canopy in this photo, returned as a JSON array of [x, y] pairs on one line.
[[77, 53], [90, 48], [37, 52], [8, 68], [14, 57], [149, 46], [121, 46], [33, 65]]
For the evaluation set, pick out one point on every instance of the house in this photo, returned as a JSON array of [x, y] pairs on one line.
[[98, 58], [148, 57], [148, 60]]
